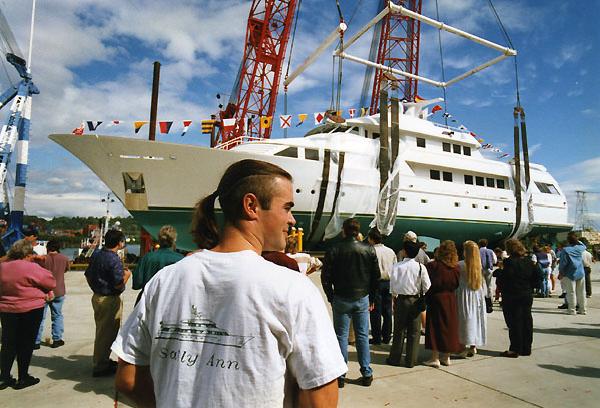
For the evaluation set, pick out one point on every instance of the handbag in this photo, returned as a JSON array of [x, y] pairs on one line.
[[420, 304]]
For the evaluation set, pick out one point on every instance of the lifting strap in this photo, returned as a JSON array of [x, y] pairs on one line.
[[520, 140], [337, 188], [322, 194]]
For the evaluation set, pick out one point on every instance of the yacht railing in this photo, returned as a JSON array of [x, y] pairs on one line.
[[238, 141]]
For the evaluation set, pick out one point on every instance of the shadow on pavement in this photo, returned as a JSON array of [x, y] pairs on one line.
[[579, 371], [570, 331], [78, 369]]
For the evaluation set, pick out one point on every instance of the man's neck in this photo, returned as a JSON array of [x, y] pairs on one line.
[[235, 239]]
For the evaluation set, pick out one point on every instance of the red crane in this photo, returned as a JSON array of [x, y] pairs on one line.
[[255, 93], [398, 48]]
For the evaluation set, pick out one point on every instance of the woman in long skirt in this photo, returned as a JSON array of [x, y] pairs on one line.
[[470, 296], [441, 332]]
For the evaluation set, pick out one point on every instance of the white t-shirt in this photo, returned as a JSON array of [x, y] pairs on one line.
[[221, 329], [409, 277], [386, 257]]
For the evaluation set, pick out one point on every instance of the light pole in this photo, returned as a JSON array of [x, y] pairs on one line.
[[106, 200]]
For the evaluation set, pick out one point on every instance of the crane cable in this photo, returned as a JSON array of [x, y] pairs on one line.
[[507, 38], [287, 71], [338, 91], [437, 12]]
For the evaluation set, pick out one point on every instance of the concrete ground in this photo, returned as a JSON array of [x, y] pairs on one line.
[[563, 370]]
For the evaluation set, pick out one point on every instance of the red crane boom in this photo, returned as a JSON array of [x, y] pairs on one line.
[[267, 34], [398, 48]]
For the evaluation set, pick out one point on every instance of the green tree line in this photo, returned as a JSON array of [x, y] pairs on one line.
[[59, 227]]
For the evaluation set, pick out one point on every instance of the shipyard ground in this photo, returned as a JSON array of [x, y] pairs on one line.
[[563, 371]]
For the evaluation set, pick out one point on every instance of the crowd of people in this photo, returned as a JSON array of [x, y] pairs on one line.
[[241, 312]]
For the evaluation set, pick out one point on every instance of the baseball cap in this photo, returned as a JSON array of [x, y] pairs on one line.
[[410, 236]]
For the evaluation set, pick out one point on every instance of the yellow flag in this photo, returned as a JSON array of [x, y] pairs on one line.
[[265, 122], [138, 125]]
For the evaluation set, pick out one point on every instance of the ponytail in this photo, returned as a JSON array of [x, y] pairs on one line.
[[242, 177], [204, 224]]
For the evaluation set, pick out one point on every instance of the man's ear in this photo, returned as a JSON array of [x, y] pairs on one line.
[[250, 206]]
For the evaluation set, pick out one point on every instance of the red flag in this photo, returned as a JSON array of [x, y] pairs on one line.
[[186, 125], [78, 130], [436, 108], [165, 126], [228, 124]]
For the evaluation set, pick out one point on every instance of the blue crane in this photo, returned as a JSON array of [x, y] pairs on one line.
[[14, 136]]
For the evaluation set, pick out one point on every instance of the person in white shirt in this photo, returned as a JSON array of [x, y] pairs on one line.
[[224, 327], [408, 281], [383, 305], [587, 260]]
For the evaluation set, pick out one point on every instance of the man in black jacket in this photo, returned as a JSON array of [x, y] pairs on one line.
[[350, 280]]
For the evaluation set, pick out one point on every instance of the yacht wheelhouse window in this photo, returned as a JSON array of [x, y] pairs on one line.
[[490, 182], [353, 130], [447, 176], [311, 154], [500, 183], [434, 174], [466, 150], [546, 188], [446, 147], [468, 179], [479, 180], [456, 148], [420, 142], [375, 135], [288, 152]]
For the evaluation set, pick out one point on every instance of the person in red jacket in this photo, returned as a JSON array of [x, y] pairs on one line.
[[24, 289]]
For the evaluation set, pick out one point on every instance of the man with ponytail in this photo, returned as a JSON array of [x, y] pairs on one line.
[[224, 327]]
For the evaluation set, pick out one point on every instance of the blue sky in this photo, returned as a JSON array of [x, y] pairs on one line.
[[92, 60]]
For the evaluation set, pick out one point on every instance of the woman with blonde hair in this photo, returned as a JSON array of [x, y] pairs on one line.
[[441, 329], [518, 278], [470, 296]]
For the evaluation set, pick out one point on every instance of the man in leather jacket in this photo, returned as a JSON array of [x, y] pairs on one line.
[[350, 279]]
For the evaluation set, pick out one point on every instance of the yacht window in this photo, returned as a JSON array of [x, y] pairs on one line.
[[375, 135], [354, 130], [474, 205], [446, 147], [500, 183], [546, 188], [447, 176], [456, 204], [311, 154], [490, 182], [466, 150], [420, 142], [456, 148], [468, 179], [434, 174], [479, 180], [288, 152]]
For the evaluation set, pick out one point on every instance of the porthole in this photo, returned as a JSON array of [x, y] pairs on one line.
[[487, 207], [456, 204], [402, 198], [505, 208], [424, 201], [474, 205], [312, 191], [298, 191]]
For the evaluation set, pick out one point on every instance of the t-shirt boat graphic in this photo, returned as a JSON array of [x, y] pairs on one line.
[[200, 330]]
